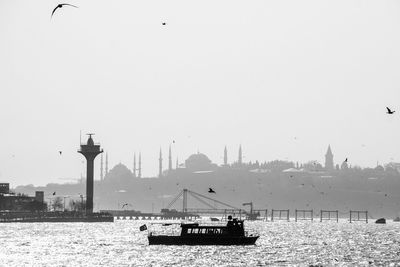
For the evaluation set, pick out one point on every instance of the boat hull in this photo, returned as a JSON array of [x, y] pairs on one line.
[[203, 240]]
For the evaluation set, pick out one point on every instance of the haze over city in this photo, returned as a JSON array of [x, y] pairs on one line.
[[282, 78]]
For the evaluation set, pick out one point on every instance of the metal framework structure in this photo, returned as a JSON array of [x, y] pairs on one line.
[[285, 212], [229, 209], [304, 217], [335, 216], [355, 215]]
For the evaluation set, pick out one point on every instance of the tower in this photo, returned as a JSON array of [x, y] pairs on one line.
[[240, 155], [134, 165], [101, 168], [169, 159], [329, 159], [140, 166], [106, 164], [90, 151], [225, 157], [160, 164]]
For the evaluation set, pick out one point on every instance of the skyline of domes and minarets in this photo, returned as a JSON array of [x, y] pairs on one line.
[[200, 162]]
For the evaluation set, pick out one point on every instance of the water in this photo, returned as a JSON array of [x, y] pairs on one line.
[[122, 244]]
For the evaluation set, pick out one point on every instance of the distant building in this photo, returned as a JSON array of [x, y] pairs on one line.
[[39, 196], [199, 162], [4, 188], [20, 202], [329, 166]]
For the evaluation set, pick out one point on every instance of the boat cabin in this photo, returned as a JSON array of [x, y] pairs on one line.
[[234, 228]]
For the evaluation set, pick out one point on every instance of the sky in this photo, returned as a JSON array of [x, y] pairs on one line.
[[282, 78]]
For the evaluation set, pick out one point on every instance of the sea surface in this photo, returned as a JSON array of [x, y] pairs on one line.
[[122, 244]]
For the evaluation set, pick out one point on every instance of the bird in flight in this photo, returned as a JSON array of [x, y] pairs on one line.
[[126, 204], [164, 23], [211, 191], [54, 193], [60, 152], [345, 160], [389, 111], [60, 6]]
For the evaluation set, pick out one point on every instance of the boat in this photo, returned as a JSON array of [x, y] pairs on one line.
[[381, 221], [232, 233]]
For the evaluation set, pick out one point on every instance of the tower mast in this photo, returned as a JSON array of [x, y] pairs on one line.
[[160, 164], [170, 159], [134, 165], [140, 165]]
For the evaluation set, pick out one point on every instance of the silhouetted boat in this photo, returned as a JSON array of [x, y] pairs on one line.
[[194, 234], [381, 221]]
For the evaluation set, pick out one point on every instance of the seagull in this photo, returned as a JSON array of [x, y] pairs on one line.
[[60, 6], [54, 193], [211, 191], [345, 160], [164, 23], [60, 152], [126, 204], [389, 111]]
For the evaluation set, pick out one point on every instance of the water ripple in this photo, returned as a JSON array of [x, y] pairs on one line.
[[122, 244]]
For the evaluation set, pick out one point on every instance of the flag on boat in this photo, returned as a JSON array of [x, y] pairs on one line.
[[143, 227]]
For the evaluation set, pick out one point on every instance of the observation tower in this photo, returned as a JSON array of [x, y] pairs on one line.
[[90, 151]]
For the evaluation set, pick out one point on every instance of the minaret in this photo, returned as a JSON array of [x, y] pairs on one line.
[[240, 155], [160, 165], [169, 159], [140, 166], [225, 157], [134, 165], [90, 151], [101, 168], [106, 164], [329, 159]]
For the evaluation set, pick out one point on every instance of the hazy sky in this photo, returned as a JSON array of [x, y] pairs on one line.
[[282, 78]]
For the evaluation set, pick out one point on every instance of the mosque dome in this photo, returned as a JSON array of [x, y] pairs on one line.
[[119, 173], [198, 162]]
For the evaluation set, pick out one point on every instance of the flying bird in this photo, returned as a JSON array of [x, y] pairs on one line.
[[389, 111], [164, 23], [60, 6], [54, 193], [60, 152], [211, 191], [345, 160], [126, 204]]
